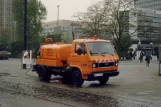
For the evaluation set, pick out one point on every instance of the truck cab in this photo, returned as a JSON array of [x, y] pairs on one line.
[[83, 60], [95, 59]]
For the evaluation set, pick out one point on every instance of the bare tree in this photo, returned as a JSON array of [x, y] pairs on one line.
[[92, 21], [117, 23]]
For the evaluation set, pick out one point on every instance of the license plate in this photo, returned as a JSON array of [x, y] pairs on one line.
[[98, 75]]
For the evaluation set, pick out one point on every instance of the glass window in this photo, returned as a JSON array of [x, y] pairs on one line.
[[80, 49], [100, 48]]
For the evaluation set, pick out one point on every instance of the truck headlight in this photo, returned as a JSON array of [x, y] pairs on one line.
[[116, 64], [94, 66]]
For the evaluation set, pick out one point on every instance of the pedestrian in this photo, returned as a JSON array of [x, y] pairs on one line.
[[148, 58], [134, 55], [141, 56]]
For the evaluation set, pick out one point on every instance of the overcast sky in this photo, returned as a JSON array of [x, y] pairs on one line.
[[67, 8]]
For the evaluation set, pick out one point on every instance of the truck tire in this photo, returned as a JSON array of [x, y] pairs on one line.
[[103, 80], [67, 78], [77, 79], [43, 74]]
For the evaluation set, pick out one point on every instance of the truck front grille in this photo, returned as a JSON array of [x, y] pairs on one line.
[[107, 64]]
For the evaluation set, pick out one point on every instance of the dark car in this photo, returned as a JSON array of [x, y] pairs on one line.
[[4, 55]]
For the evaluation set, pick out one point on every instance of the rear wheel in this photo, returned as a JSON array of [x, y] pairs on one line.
[[77, 79], [43, 74], [103, 80]]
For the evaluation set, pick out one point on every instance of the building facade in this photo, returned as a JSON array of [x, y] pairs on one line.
[[149, 22], [65, 27], [144, 26], [6, 19], [146, 21], [149, 4]]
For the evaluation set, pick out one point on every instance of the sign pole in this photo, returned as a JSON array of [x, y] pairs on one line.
[[25, 31]]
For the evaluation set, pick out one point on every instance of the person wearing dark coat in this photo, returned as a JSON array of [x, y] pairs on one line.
[[141, 56], [148, 58]]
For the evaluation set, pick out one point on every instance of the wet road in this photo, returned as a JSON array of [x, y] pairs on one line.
[[136, 86], [12, 99]]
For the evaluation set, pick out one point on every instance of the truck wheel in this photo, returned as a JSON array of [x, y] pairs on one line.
[[103, 80], [43, 74], [67, 78], [77, 79]]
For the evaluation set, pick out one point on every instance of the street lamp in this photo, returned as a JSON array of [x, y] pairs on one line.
[[25, 25], [73, 24], [58, 19], [25, 33]]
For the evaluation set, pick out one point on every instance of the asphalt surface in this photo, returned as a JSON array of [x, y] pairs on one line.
[[12, 99], [136, 86]]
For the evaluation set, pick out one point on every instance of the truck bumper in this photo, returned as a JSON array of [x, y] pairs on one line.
[[93, 76]]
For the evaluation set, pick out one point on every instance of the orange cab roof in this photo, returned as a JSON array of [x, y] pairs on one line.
[[90, 40]]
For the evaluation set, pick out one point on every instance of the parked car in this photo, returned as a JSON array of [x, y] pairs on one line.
[[4, 55]]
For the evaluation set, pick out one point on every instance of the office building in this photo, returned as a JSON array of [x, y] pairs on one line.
[[144, 26], [65, 27], [149, 4], [6, 19]]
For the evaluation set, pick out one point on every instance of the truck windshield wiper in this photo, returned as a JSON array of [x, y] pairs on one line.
[[107, 53]]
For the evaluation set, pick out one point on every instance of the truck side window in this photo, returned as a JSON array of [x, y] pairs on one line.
[[80, 49], [84, 48]]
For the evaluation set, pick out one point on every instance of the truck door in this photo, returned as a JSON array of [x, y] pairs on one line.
[[81, 58]]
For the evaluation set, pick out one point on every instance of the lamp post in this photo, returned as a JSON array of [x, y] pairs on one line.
[[58, 19], [25, 32], [25, 25], [72, 24]]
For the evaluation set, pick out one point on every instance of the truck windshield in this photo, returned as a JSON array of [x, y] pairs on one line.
[[100, 48]]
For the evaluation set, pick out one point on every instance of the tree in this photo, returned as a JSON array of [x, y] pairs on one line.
[[118, 23], [55, 36], [67, 37], [92, 21], [41, 39], [5, 38], [36, 13], [125, 43], [108, 20]]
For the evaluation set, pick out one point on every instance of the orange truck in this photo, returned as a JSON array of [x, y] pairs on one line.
[[84, 59]]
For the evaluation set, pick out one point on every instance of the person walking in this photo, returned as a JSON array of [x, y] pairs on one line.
[[141, 56], [148, 58], [134, 54]]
